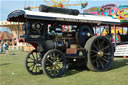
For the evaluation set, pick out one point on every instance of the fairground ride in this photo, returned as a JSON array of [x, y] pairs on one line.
[[59, 4]]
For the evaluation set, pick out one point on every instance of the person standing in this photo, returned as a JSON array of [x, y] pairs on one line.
[[6, 47], [2, 43]]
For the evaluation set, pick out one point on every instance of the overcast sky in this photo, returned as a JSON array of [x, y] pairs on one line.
[[7, 6]]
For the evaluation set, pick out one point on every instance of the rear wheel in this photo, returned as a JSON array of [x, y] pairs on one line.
[[54, 63], [100, 53]]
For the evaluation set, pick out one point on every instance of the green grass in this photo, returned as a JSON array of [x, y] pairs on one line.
[[13, 72]]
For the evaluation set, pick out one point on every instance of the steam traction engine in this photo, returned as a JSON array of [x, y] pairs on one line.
[[55, 48]]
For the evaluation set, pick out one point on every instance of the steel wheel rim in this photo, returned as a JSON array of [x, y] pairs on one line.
[[33, 63], [54, 64], [101, 54]]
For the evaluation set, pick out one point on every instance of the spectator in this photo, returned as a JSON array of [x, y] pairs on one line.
[[2, 43], [6, 47]]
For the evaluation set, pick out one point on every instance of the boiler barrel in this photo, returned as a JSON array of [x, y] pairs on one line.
[[51, 44]]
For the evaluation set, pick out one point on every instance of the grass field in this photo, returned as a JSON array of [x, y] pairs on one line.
[[13, 72]]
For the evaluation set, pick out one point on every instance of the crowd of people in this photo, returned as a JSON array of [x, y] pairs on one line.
[[4, 47]]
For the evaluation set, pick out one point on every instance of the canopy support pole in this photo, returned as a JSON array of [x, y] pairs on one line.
[[115, 35], [110, 31], [18, 30]]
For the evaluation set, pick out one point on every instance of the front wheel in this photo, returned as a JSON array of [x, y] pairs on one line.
[[54, 63], [33, 63], [100, 53]]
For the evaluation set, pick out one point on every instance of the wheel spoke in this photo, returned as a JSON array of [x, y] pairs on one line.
[[39, 68], [36, 68], [95, 47], [54, 57], [94, 55], [50, 56], [98, 43], [97, 64], [49, 68], [36, 56], [58, 66], [101, 45], [33, 56], [94, 51], [52, 71], [50, 61], [58, 58], [30, 61], [101, 64], [55, 71], [49, 71], [108, 54], [105, 59], [30, 66], [33, 67], [105, 47]]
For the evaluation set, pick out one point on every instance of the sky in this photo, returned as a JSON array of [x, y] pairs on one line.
[[7, 6]]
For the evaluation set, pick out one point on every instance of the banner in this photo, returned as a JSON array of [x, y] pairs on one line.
[[121, 50]]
